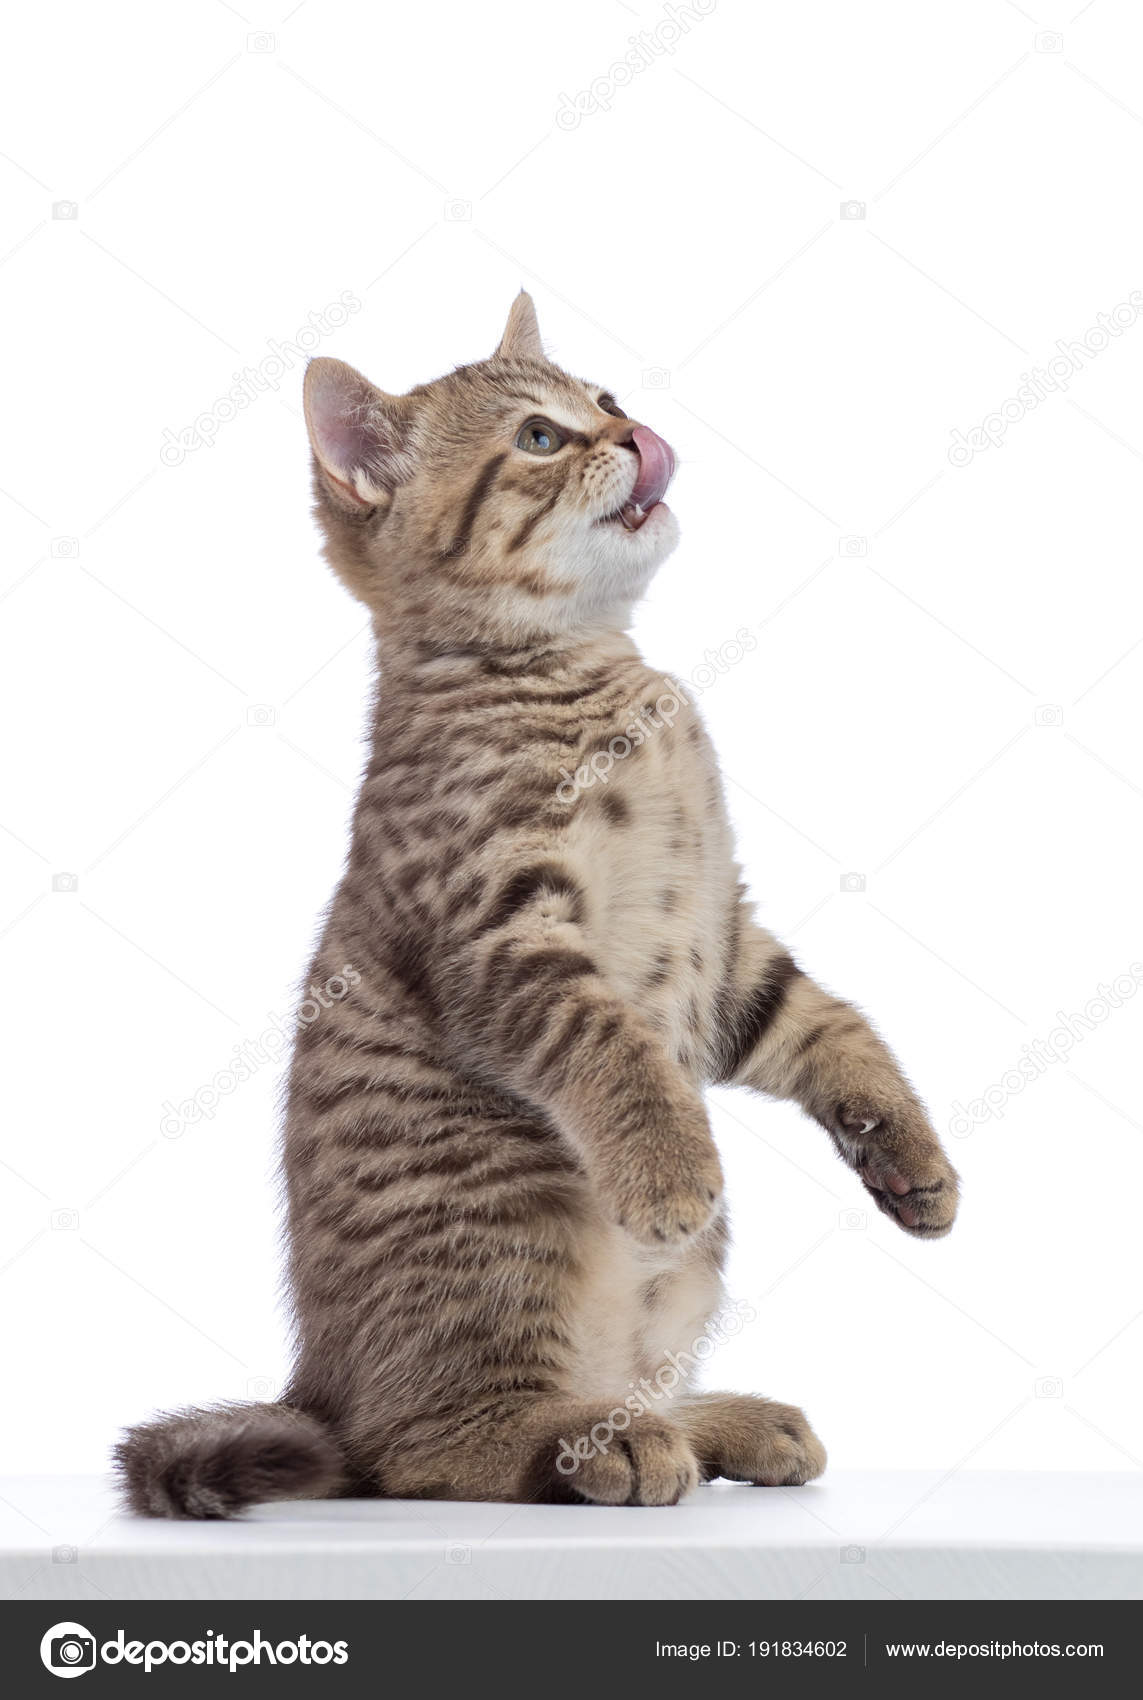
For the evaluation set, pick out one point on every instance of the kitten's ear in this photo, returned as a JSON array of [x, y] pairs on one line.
[[360, 436], [521, 339]]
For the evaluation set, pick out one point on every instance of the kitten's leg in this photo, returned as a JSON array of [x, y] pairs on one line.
[[532, 1003], [750, 1439], [781, 1033], [547, 1449]]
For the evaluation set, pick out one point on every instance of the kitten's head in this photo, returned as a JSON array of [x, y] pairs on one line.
[[505, 503]]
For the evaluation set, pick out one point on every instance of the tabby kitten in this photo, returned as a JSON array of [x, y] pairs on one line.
[[505, 1204]]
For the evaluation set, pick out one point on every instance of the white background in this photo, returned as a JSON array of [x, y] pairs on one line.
[[235, 170]]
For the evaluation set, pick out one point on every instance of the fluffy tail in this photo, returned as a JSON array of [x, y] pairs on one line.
[[214, 1462]]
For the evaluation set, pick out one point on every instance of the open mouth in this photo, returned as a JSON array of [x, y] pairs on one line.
[[656, 469], [631, 515]]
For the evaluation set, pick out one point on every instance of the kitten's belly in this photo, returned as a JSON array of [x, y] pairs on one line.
[[655, 854], [661, 885], [638, 1315]]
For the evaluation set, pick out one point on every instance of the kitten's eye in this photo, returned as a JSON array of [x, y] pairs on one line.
[[538, 437], [610, 405]]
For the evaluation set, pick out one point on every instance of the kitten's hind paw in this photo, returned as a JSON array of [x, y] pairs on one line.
[[644, 1461]]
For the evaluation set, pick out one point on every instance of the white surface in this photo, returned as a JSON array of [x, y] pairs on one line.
[[884, 721], [854, 1536]]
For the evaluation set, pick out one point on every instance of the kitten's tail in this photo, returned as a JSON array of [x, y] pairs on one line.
[[214, 1462]]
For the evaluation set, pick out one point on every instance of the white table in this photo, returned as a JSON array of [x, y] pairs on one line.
[[854, 1536]]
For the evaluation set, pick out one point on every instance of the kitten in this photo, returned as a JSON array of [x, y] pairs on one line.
[[505, 1204]]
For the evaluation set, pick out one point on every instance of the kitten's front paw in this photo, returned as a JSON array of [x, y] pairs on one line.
[[749, 1439], [902, 1164], [664, 1190]]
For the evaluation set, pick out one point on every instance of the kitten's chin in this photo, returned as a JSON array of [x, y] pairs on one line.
[[618, 564]]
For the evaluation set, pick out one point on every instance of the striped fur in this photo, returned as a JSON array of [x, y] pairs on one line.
[[505, 1205]]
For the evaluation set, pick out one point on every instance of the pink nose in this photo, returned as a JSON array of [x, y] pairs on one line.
[[656, 467]]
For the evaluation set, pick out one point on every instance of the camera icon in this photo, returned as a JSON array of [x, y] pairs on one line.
[[65, 1555], [261, 42], [261, 1387], [261, 714], [852, 882], [853, 1555], [457, 212], [65, 882], [1049, 1387], [656, 378], [63, 548], [1048, 714], [1049, 41], [65, 209], [853, 547], [852, 209], [457, 1553], [852, 1221], [65, 1221], [69, 1652]]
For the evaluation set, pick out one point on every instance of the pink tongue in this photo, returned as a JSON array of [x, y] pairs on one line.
[[656, 468]]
